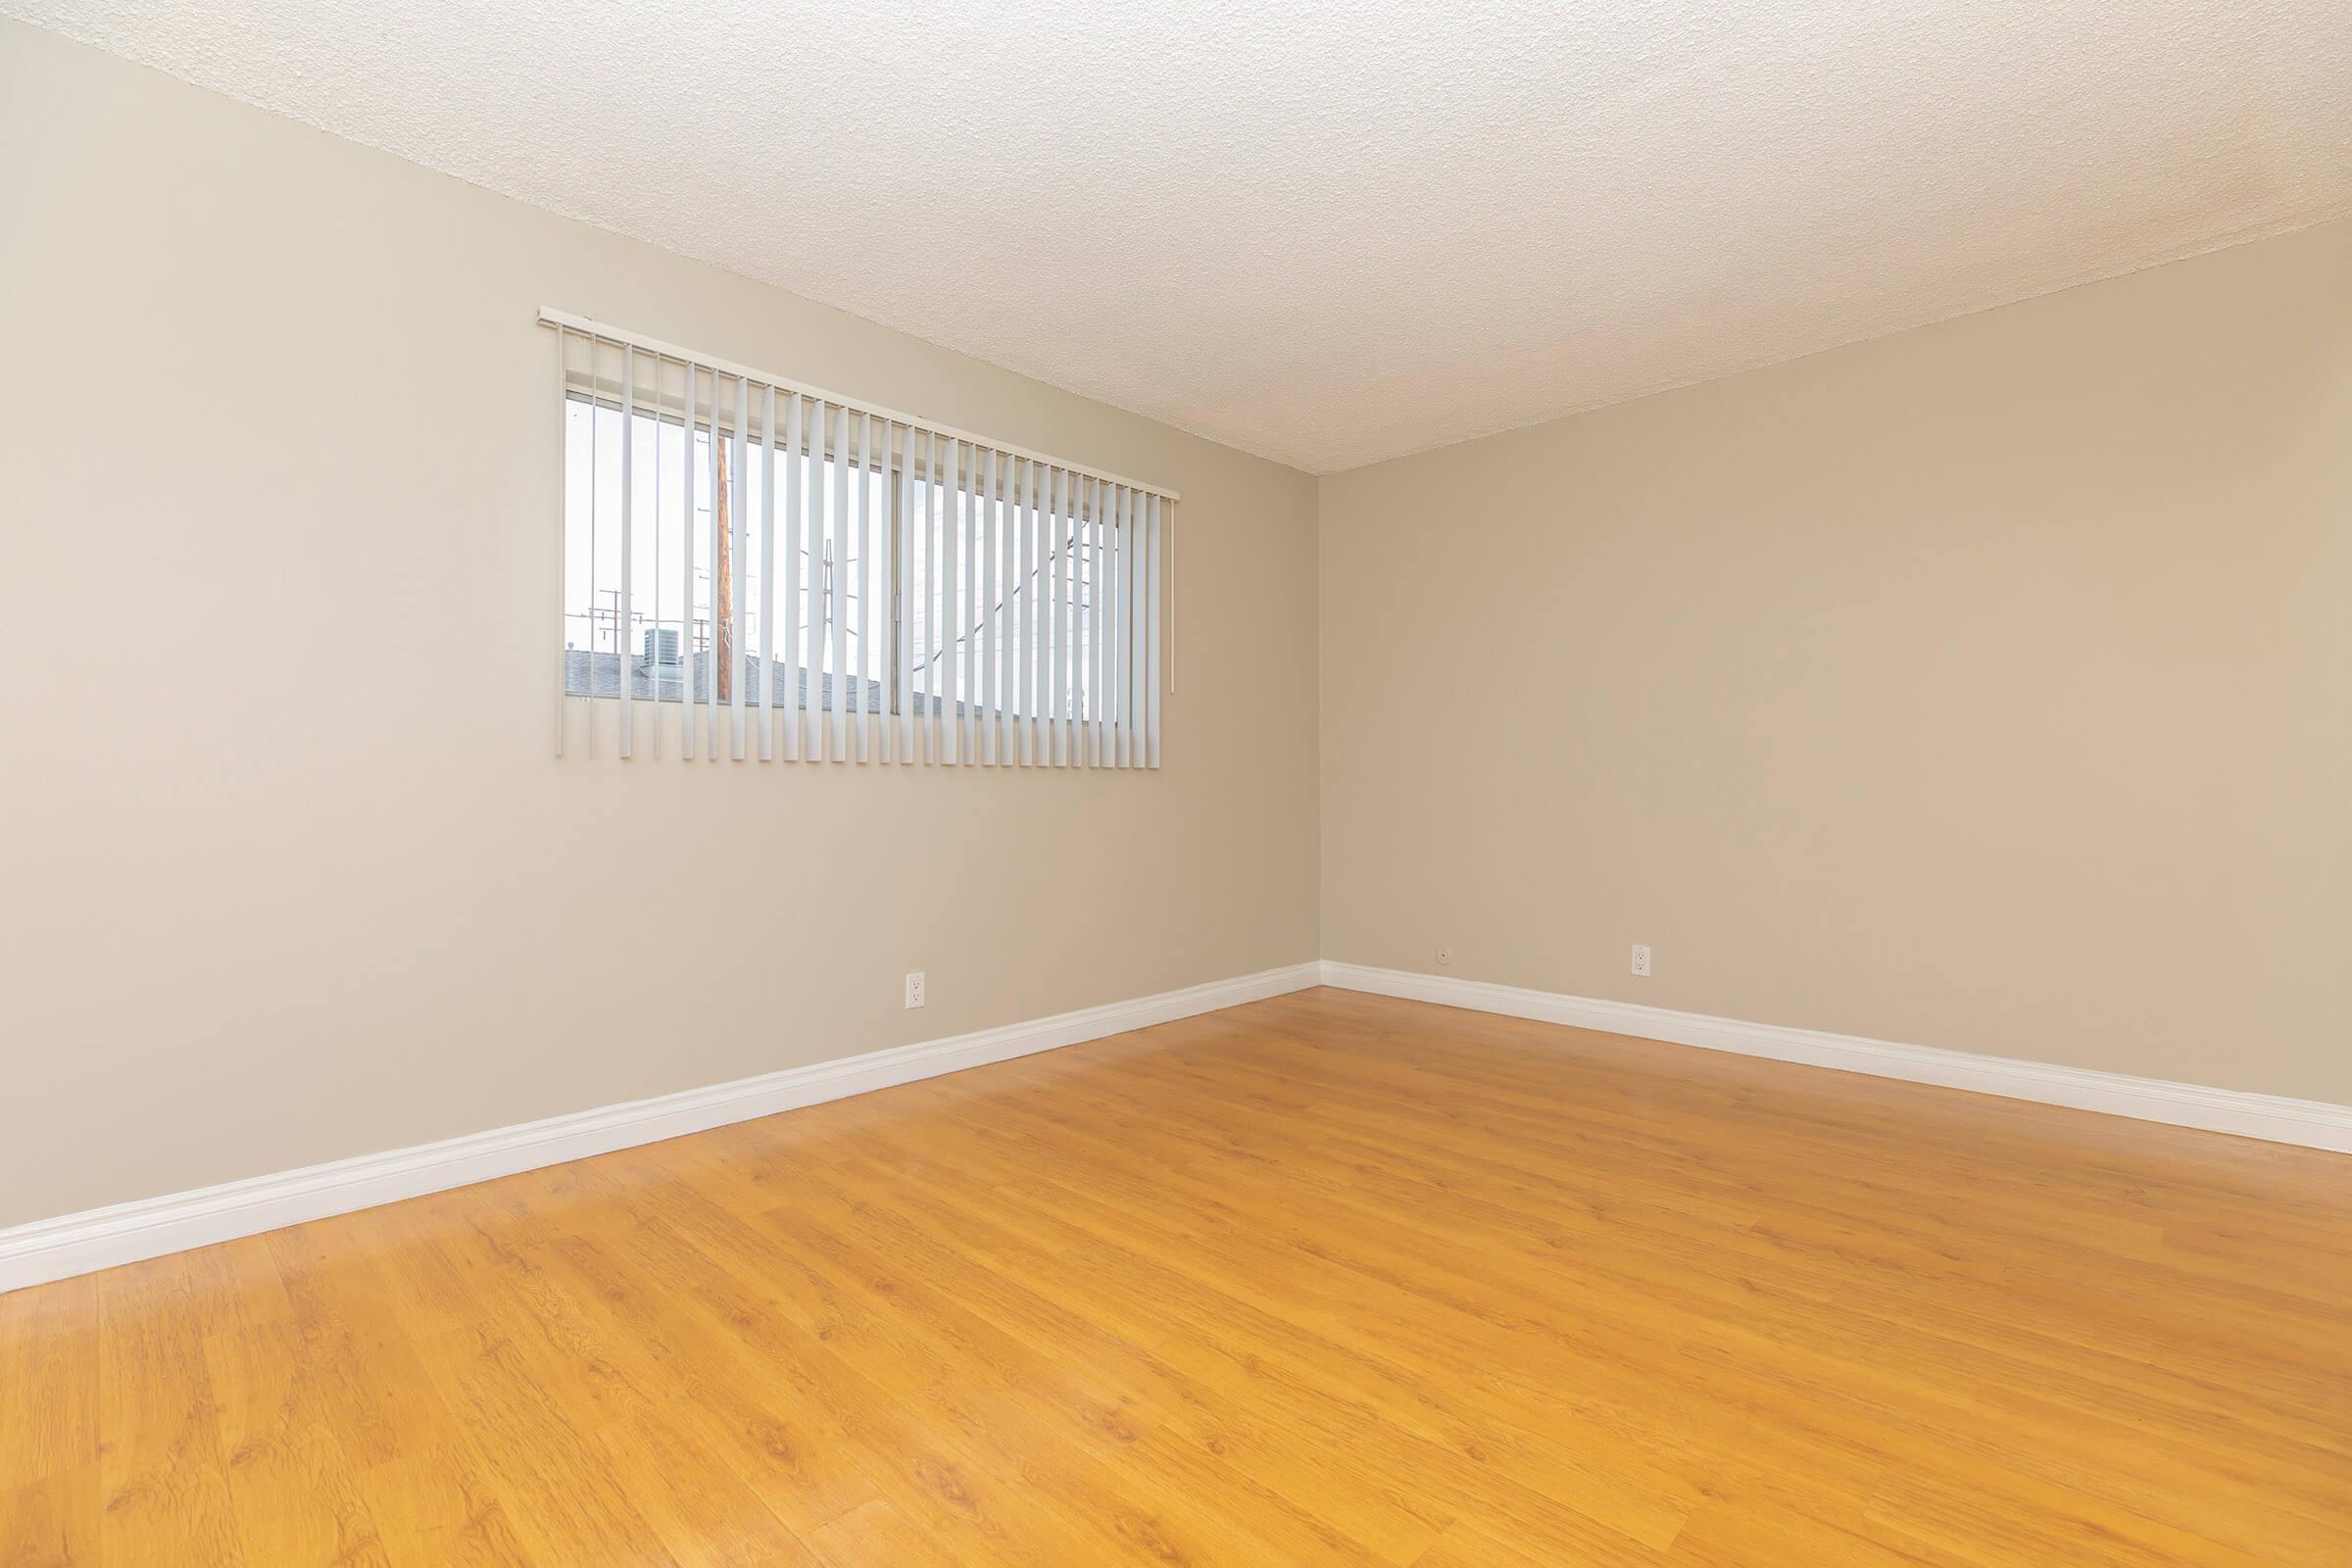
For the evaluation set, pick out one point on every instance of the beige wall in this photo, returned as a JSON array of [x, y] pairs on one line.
[[313, 886], [1988, 686]]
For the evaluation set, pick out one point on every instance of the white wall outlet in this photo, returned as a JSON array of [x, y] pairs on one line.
[[914, 989], [1445, 957], [1641, 957]]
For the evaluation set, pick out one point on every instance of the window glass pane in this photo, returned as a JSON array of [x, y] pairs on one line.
[[982, 601], [677, 580]]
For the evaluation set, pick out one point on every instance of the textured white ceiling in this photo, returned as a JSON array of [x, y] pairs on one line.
[[1336, 231]]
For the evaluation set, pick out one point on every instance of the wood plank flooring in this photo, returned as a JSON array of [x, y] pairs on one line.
[[1326, 1279]]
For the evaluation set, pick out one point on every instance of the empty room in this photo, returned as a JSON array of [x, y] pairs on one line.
[[865, 785]]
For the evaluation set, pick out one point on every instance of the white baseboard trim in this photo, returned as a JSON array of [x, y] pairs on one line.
[[126, 1233], [2310, 1123]]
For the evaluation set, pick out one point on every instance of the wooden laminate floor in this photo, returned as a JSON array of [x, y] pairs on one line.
[[1327, 1279]]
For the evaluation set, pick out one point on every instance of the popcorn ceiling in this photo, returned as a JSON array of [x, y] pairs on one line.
[[1339, 232]]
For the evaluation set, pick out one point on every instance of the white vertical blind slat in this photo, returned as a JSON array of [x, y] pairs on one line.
[[1137, 573], [718, 607], [794, 481], [975, 585], [816, 586], [1078, 622], [816, 620], [943, 457], [959, 531], [879, 656], [1151, 638], [883, 655], [914, 620], [1139, 531], [1017, 603], [1071, 647], [1126, 693], [690, 533], [1082, 620], [1055, 755], [1097, 494], [653, 548], [628, 509], [884, 610], [1116, 756], [1092, 525], [1126, 524], [686, 708], [1016, 525], [563, 528], [1016, 618], [943, 643], [816, 573], [878, 610], [837, 605], [1072, 684], [808, 565], [596, 495], [1007, 499], [767, 574], [987, 614], [931, 592], [870, 744], [1118, 632], [739, 492], [1041, 610], [1033, 623], [901, 572], [1008, 611], [974, 588]]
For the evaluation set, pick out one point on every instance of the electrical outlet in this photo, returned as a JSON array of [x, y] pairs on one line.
[[1641, 957], [914, 989], [1445, 957]]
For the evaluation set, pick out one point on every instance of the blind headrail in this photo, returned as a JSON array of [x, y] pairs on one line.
[[588, 328]]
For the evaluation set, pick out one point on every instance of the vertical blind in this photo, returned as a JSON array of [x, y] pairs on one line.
[[753, 568]]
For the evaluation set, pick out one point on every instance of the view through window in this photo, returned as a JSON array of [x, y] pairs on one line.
[[940, 596]]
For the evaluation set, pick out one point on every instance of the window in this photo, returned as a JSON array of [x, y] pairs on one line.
[[758, 570]]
